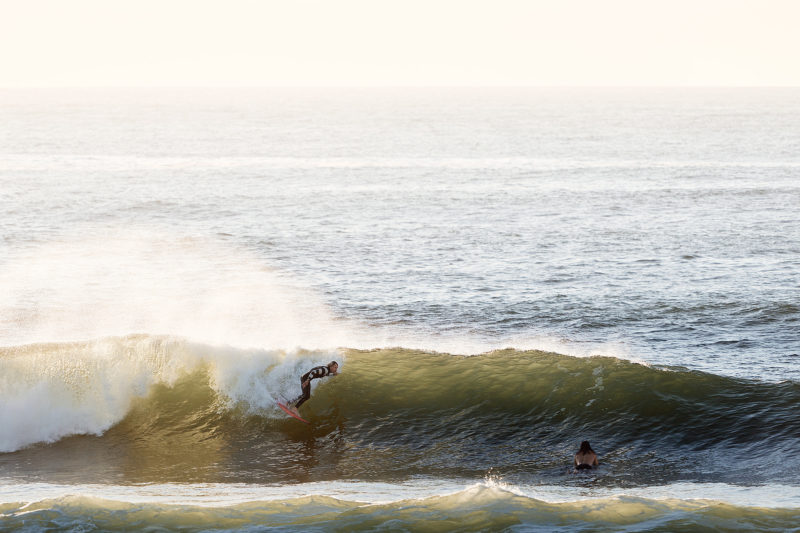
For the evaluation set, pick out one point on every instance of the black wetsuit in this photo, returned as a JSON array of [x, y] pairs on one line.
[[315, 373]]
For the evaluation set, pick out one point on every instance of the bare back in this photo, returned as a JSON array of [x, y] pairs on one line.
[[588, 458]]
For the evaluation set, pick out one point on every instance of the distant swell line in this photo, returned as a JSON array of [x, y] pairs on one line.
[[24, 161]]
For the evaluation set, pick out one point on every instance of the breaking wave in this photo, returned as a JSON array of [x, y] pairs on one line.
[[390, 414]]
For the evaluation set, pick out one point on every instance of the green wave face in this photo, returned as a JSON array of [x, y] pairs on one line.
[[476, 509], [394, 414]]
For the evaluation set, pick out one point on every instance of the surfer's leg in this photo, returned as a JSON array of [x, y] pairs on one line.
[[303, 397]]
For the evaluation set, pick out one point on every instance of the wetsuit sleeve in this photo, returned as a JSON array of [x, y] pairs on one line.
[[314, 373]]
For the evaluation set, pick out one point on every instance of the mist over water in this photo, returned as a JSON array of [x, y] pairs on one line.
[[660, 221], [502, 273], [84, 287]]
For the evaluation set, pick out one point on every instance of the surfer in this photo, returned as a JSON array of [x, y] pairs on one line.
[[305, 382], [585, 459]]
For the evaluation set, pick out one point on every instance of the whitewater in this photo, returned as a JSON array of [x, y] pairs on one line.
[[501, 274]]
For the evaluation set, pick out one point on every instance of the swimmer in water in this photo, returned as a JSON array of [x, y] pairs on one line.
[[585, 459]]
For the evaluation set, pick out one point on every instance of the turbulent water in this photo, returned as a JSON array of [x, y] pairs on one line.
[[500, 273]]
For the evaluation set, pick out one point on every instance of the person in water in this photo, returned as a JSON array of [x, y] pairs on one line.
[[305, 382], [585, 458]]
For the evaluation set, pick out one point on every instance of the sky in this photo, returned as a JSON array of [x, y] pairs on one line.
[[68, 43]]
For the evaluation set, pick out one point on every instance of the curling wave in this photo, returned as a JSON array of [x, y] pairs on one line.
[[181, 411]]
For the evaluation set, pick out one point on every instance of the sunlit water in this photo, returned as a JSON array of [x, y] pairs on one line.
[[655, 226]]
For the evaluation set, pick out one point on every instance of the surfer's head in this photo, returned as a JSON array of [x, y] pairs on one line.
[[333, 366], [585, 448]]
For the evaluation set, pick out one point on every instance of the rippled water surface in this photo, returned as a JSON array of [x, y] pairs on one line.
[[172, 260]]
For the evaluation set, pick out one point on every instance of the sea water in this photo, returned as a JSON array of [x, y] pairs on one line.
[[501, 273]]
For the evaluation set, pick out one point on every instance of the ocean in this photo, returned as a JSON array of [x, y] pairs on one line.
[[501, 273]]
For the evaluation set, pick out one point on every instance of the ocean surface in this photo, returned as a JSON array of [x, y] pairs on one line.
[[501, 274]]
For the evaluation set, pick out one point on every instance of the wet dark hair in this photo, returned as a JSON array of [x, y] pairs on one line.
[[585, 447], [332, 363]]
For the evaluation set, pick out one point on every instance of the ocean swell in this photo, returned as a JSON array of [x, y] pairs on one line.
[[194, 412]]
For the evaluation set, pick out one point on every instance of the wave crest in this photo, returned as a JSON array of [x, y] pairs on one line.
[[166, 408]]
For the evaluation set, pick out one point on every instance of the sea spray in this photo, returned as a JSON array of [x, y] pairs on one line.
[[126, 281]]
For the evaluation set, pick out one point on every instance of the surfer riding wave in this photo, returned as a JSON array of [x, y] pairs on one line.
[[331, 369]]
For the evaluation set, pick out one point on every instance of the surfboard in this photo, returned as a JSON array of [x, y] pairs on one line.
[[291, 413]]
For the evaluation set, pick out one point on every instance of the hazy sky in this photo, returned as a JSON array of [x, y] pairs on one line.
[[405, 42]]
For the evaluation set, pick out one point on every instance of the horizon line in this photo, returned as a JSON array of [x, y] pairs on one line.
[[402, 86]]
